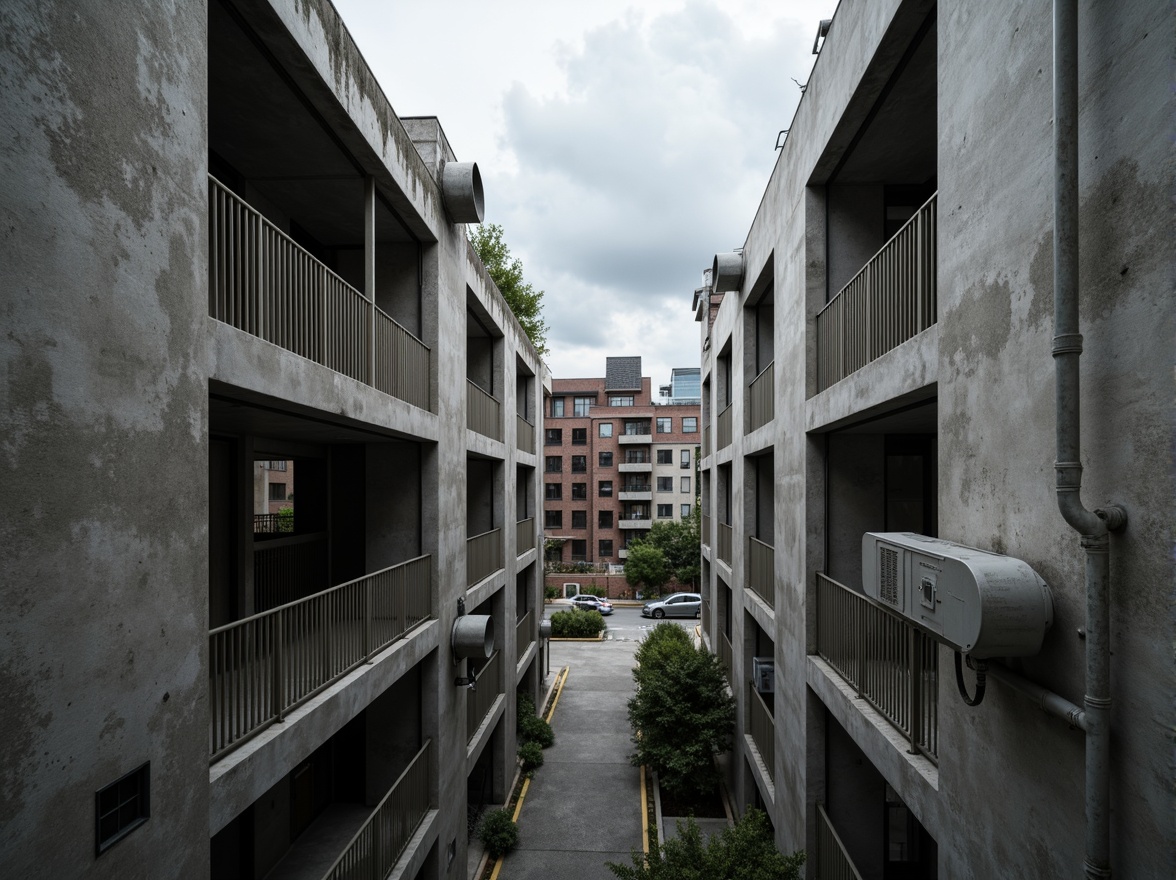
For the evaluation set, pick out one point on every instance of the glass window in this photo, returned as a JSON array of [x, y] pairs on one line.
[[686, 508], [277, 491], [604, 519], [664, 426], [552, 436], [579, 436], [606, 547], [634, 428], [552, 491], [621, 400], [580, 464], [686, 485], [685, 458], [553, 464], [606, 429], [606, 488], [665, 511], [553, 519], [122, 806], [579, 491], [665, 456], [579, 519], [665, 484], [557, 407], [580, 406], [579, 550], [689, 424], [604, 459]]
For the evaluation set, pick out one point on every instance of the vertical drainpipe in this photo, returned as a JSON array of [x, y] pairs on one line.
[[1093, 526]]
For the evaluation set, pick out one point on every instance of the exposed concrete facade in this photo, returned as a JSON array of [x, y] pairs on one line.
[[949, 431], [223, 247]]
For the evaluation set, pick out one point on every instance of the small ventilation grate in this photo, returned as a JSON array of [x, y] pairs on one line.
[[889, 571]]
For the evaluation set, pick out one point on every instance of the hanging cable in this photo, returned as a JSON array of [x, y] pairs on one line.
[[981, 668]]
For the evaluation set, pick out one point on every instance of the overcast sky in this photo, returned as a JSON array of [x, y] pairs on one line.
[[621, 143]]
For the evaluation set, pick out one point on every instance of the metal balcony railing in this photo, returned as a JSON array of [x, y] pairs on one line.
[[273, 523], [378, 845], [483, 412], [724, 429], [891, 664], [761, 570], [833, 861], [890, 300], [265, 665], [263, 283], [522, 636], [725, 656], [762, 728], [481, 700], [289, 568], [524, 535], [524, 435], [723, 551], [483, 556], [761, 398], [706, 529]]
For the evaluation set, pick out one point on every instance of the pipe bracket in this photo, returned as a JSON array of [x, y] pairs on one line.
[[1067, 343], [1114, 516], [1069, 474]]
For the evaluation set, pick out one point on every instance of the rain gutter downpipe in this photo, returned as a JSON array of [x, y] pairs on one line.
[[1093, 526]]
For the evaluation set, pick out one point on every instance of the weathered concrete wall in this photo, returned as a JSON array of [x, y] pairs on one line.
[[102, 370]]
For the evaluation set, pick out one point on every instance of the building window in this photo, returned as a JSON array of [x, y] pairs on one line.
[[121, 807], [579, 491], [605, 429], [635, 428], [605, 548], [604, 519], [664, 426], [579, 519], [686, 510], [579, 464], [665, 511], [553, 464], [579, 551], [580, 406], [579, 436], [553, 519], [685, 458], [553, 437], [621, 400], [277, 492], [689, 424], [604, 459], [552, 491], [557, 407], [636, 456], [665, 484], [275, 465], [665, 456], [686, 485], [606, 488]]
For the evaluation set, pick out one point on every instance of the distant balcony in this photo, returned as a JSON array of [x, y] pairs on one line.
[[761, 398], [636, 467], [761, 570], [262, 667], [524, 536], [724, 428], [483, 556], [523, 637], [374, 851], [488, 687], [635, 523], [723, 550], [264, 284], [627, 439], [636, 492], [483, 412], [890, 663], [891, 299], [762, 728], [524, 435]]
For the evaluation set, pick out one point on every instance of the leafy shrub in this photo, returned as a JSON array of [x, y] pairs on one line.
[[551, 592], [576, 624], [664, 637], [593, 590], [532, 728], [531, 756], [498, 833]]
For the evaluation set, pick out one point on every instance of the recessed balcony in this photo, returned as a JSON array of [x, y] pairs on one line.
[[646, 523], [635, 467], [635, 439]]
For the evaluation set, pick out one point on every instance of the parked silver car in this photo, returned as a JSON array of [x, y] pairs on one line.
[[676, 605], [588, 602]]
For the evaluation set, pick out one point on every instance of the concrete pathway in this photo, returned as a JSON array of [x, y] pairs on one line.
[[583, 807]]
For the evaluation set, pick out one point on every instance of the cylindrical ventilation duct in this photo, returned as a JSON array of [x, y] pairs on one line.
[[473, 637], [727, 272], [545, 629], [461, 188]]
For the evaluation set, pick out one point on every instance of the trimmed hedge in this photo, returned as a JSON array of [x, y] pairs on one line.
[[498, 833], [576, 624]]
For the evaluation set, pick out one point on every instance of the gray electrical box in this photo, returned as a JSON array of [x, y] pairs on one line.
[[763, 674], [973, 601]]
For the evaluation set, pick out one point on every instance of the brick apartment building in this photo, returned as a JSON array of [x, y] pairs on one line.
[[614, 462]]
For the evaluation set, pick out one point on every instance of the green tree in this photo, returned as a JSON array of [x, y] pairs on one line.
[[507, 274], [744, 852], [680, 544], [646, 566]]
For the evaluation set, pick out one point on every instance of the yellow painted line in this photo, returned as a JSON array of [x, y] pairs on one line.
[[558, 690], [644, 815], [519, 804], [497, 868]]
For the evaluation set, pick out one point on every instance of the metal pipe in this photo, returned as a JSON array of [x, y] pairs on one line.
[[1048, 701], [1093, 526]]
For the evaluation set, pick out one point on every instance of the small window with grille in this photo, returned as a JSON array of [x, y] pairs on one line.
[[121, 807]]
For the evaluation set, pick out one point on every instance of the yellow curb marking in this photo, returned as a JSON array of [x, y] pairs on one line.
[[644, 815], [558, 690]]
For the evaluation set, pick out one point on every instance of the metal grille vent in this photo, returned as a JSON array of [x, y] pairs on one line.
[[889, 570]]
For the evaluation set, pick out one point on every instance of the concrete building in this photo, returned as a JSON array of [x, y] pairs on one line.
[[615, 462], [224, 252], [880, 357]]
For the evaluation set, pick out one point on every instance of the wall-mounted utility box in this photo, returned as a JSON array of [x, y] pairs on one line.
[[976, 602], [763, 674]]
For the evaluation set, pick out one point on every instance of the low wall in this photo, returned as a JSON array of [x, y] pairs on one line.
[[614, 585]]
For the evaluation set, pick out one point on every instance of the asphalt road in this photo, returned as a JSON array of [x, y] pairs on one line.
[[625, 623]]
